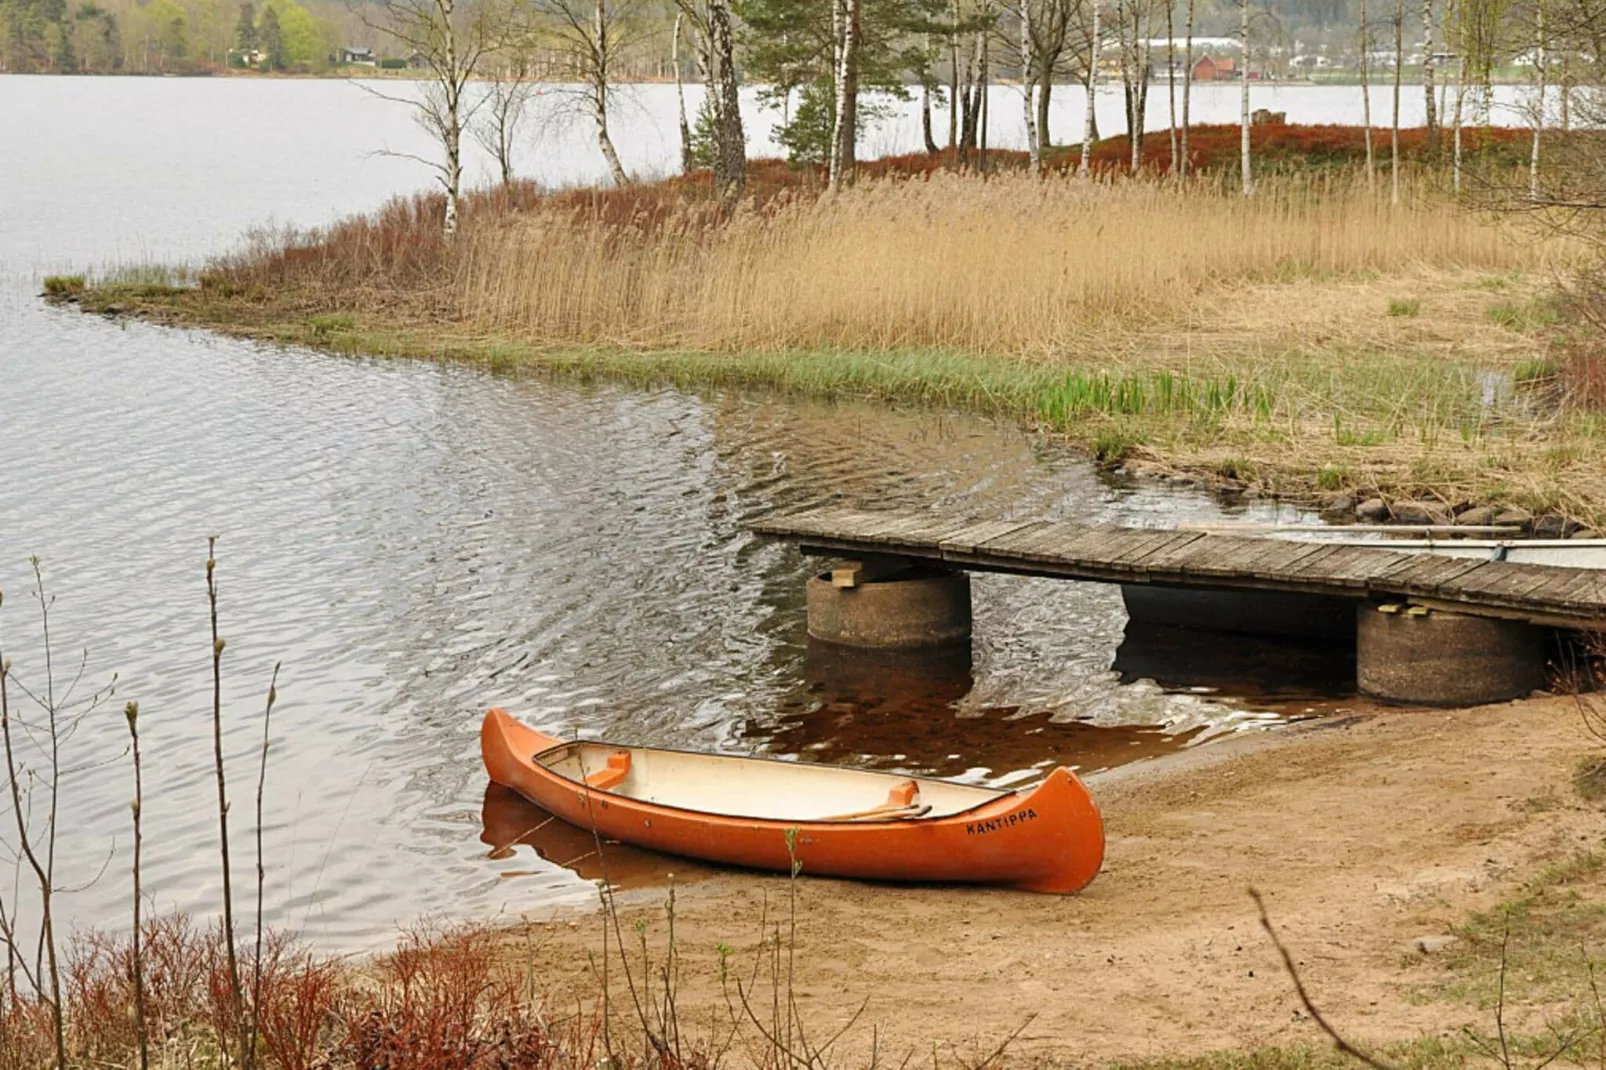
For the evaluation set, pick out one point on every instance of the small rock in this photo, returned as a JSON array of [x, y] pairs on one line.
[[1430, 945], [1478, 516], [1514, 516], [1552, 526], [1372, 511], [1339, 507], [1413, 512], [1585, 533]]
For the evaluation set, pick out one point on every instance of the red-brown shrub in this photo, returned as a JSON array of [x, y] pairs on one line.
[[444, 1000]]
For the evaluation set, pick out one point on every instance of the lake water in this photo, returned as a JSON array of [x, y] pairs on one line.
[[416, 542]]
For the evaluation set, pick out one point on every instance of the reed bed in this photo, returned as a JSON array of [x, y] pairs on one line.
[[1311, 339], [1013, 266]]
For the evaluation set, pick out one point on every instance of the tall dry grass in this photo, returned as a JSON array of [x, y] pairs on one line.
[[1008, 266]]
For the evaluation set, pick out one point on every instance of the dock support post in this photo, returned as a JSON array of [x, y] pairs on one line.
[[890, 606], [1421, 657]]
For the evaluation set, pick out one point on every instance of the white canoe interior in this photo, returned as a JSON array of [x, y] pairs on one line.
[[760, 787]]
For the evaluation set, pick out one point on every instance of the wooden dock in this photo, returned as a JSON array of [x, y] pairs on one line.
[[1546, 595]]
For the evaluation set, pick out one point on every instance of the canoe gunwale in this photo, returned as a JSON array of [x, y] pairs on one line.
[[906, 822]]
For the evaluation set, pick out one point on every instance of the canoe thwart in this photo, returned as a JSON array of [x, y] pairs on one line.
[[613, 774], [901, 803]]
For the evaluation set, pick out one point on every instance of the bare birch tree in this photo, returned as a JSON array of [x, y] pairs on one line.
[[1541, 63], [1243, 75], [1171, 78], [1366, 101], [845, 131], [508, 91], [680, 96], [1394, 130], [593, 34], [730, 143], [1187, 93], [1085, 167], [451, 38], [1432, 112], [1033, 148]]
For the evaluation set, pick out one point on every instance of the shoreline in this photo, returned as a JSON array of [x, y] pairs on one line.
[[1337, 481], [1368, 876]]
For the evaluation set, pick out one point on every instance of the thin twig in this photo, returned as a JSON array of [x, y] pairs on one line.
[[1304, 997], [131, 711]]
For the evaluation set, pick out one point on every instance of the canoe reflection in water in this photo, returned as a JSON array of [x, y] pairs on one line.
[[509, 820]]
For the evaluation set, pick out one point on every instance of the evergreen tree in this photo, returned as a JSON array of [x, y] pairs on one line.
[[790, 45], [271, 41], [246, 38]]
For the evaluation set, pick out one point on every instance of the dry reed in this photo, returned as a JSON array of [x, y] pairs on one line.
[[1012, 266]]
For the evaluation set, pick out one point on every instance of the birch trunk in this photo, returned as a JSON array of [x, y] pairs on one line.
[[1566, 92], [1187, 93], [982, 85], [1171, 78], [953, 82], [452, 124], [1394, 130], [1085, 167], [1243, 101], [1140, 90], [1432, 112], [680, 97], [1541, 62], [1460, 100], [1045, 87], [925, 120], [730, 143], [847, 95], [834, 166], [599, 95], [1034, 151], [1366, 102]]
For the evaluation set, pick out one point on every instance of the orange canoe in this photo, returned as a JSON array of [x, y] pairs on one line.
[[848, 822]]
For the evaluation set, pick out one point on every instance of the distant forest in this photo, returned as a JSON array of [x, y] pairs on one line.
[[310, 36]]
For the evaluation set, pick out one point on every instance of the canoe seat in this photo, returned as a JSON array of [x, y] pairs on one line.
[[613, 775]]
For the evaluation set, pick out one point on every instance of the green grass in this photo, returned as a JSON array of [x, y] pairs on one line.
[[1335, 477], [60, 286], [331, 323], [1455, 1052], [1535, 372], [1590, 779], [1549, 934], [1528, 315], [1405, 306]]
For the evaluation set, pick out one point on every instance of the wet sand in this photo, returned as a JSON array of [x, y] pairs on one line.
[[1363, 833]]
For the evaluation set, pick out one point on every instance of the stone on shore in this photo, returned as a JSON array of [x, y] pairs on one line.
[[1515, 516], [1478, 516], [1372, 511], [1415, 512]]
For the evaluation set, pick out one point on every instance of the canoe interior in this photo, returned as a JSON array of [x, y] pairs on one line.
[[760, 788]]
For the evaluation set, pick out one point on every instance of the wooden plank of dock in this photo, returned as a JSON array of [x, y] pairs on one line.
[[1545, 594]]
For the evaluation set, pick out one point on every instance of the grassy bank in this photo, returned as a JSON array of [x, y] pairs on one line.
[[1310, 340]]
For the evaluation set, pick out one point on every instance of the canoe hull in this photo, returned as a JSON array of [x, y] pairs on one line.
[[1048, 839]]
